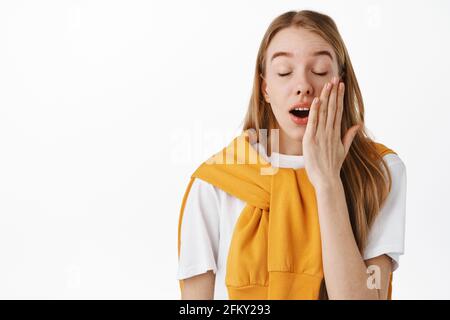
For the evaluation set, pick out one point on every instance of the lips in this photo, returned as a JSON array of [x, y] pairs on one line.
[[301, 105]]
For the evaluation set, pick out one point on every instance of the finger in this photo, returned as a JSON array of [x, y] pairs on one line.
[[323, 106], [311, 125], [332, 105], [349, 136], [340, 109]]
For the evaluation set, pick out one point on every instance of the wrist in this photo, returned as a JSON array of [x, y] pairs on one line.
[[329, 185]]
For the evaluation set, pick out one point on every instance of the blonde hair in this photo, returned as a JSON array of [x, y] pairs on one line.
[[365, 185]]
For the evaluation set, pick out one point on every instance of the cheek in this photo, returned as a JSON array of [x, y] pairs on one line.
[[319, 88], [321, 84], [279, 95], [276, 108]]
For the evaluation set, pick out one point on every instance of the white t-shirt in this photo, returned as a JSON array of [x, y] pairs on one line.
[[210, 215]]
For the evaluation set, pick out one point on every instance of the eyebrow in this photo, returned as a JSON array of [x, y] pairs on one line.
[[289, 54]]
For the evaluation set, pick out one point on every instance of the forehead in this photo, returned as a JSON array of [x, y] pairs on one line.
[[298, 41]]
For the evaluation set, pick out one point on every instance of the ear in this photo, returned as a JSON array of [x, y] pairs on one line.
[[264, 89]]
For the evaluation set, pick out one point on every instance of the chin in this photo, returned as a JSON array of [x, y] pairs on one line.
[[295, 133]]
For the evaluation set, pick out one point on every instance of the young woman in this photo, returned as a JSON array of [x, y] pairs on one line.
[[328, 223]]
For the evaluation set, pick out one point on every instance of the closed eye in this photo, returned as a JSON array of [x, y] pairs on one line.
[[319, 74]]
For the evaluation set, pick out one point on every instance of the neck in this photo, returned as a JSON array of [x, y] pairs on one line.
[[290, 146]]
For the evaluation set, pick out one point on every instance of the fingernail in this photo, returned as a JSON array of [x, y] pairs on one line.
[[328, 86], [315, 100]]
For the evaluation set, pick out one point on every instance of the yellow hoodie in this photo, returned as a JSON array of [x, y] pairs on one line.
[[275, 251]]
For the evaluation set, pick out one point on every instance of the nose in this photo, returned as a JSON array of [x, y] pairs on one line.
[[304, 88]]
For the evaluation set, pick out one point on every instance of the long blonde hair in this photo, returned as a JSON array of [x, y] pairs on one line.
[[365, 185]]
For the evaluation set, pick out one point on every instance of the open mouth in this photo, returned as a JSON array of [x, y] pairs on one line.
[[300, 112]]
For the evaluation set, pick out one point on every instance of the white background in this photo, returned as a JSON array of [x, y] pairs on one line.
[[107, 107]]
